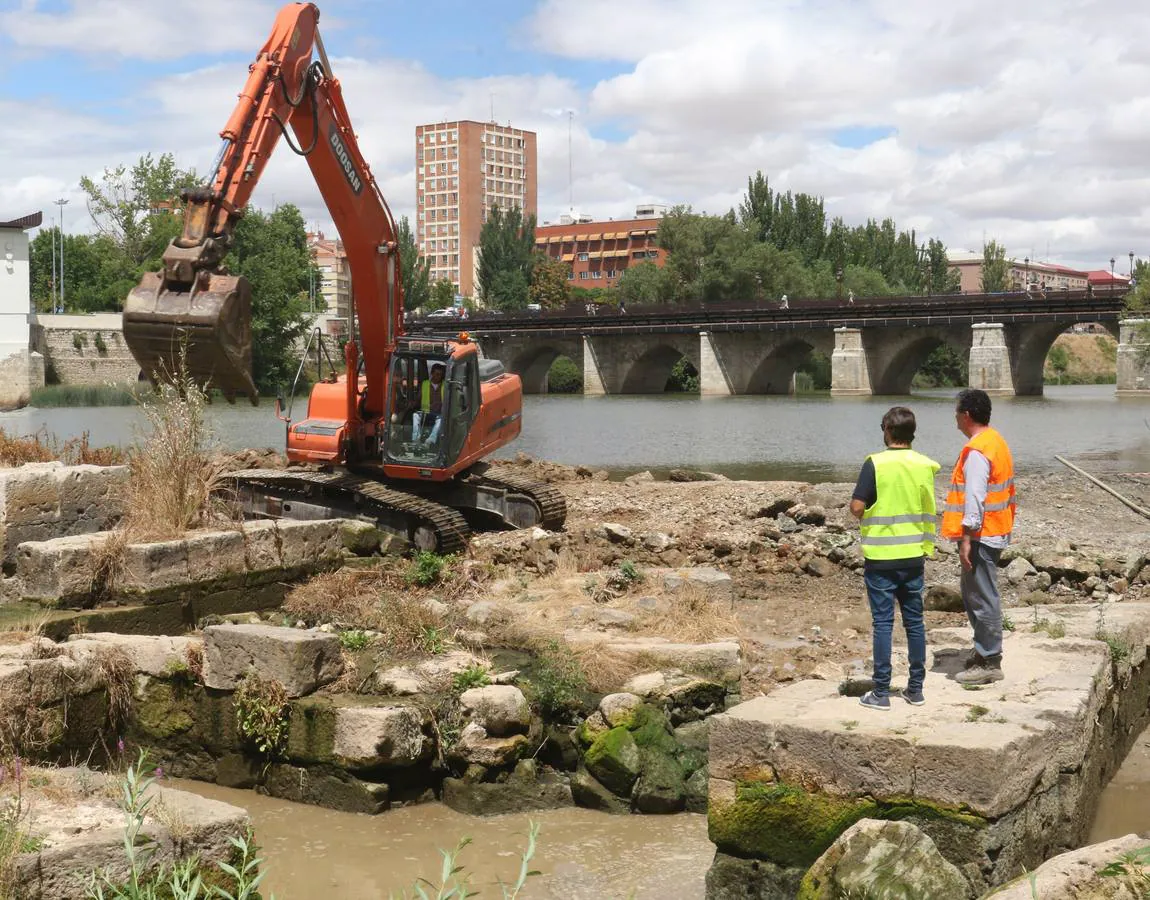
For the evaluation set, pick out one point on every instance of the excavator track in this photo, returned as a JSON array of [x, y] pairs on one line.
[[304, 494], [552, 504]]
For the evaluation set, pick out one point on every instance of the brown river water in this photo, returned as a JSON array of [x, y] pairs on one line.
[[583, 855]]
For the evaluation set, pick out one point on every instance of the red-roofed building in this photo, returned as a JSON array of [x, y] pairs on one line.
[[1100, 279]]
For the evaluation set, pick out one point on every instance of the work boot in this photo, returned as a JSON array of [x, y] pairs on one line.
[[986, 670], [970, 658]]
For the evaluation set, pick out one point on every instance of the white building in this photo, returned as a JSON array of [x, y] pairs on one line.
[[20, 369]]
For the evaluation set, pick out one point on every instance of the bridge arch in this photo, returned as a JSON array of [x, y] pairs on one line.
[[533, 364], [895, 364], [649, 373], [775, 372], [1031, 347]]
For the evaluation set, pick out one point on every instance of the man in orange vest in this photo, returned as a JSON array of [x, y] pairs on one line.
[[979, 516]]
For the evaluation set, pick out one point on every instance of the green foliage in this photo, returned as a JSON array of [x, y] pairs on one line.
[[1059, 360], [944, 367], [473, 676], [455, 882], [79, 340], [1053, 628], [413, 268], [814, 374], [1134, 865], [355, 639], [1107, 347], [427, 568], [995, 269], [507, 258], [187, 879], [57, 395], [442, 295], [557, 680], [101, 347], [262, 714], [1007, 623], [270, 250], [976, 712], [432, 640], [550, 287], [564, 377], [684, 378], [1119, 648], [646, 283], [629, 572]]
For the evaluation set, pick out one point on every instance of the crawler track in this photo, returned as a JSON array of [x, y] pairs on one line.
[[551, 503]]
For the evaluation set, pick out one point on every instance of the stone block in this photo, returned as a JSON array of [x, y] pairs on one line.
[[215, 554], [500, 709], [332, 789], [155, 655], [54, 572], [262, 550], [366, 737], [155, 565], [714, 584], [304, 542], [719, 661], [301, 660], [1077, 874], [476, 747]]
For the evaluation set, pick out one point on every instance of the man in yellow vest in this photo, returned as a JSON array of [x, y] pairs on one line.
[[894, 501], [979, 516], [430, 410]]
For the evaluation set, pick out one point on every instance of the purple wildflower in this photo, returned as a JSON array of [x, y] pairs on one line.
[[120, 745]]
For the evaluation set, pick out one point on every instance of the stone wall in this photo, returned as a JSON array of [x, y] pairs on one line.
[[41, 501], [20, 374], [84, 349]]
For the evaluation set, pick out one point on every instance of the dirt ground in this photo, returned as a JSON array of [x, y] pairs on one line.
[[797, 619]]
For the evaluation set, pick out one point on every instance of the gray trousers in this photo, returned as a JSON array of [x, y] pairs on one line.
[[981, 599]]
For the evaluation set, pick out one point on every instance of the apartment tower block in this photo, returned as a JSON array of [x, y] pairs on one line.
[[462, 169]]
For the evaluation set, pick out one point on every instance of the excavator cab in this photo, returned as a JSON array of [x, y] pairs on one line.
[[433, 397]]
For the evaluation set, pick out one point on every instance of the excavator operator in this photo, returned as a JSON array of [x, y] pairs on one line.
[[430, 410]]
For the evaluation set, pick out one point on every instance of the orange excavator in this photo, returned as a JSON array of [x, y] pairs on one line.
[[401, 437]]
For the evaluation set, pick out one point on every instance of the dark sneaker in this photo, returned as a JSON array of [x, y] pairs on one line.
[[914, 698], [984, 671], [871, 700]]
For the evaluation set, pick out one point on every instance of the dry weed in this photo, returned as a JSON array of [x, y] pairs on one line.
[[26, 729], [172, 818], [118, 673], [604, 667], [43, 447], [691, 616]]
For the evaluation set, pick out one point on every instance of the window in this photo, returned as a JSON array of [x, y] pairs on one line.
[[583, 276], [610, 274], [596, 275], [652, 254], [582, 257], [570, 276]]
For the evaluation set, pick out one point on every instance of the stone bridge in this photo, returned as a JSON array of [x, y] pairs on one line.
[[874, 349]]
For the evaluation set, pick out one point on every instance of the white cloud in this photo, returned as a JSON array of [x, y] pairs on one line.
[[1029, 124]]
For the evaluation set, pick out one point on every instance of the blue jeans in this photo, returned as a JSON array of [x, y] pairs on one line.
[[883, 588]]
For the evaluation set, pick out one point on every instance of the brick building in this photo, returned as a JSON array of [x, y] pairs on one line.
[[599, 252], [462, 169], [1039, 275]]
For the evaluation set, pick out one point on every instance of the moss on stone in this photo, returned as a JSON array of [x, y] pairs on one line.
[[614, 759], [651, 730], [165, 710], [311, 733], [661, 787], [790, 826]]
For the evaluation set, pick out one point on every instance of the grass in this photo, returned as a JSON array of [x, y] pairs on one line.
[[74, 395], [16, 450], [976, 712], [1054, 628], [1119, 648]]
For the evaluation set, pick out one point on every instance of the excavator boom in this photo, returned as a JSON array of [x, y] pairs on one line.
[[193, 315]]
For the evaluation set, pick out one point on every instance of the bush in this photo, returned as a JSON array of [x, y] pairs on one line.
[[473, 676], [427, 568], [262, 714], [355, 640], [557, 680], [564, 377]]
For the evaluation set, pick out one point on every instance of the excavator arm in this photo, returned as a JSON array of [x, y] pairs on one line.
[[192, 315]]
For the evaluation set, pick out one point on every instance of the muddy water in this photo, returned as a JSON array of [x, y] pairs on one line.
[[1125, 804], [583, 855]]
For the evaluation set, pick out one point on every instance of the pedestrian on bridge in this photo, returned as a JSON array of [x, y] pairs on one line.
[[979, 516], [894, 503], [783, 304]]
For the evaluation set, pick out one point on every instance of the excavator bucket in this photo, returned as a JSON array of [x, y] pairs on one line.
[[206, 332]]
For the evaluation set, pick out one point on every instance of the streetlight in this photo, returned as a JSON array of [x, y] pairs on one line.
[[1112, 274], [1026, 274], [62, 202], [1130, 273]]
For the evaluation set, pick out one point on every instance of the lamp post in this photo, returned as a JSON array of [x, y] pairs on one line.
[[1026, 273], [1112, 275], [62, 202], [1130, 272]]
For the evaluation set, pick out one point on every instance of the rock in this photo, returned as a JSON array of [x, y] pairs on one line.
[[639, 478], [590, 729], [718, 661], [696, 791], [379, 736], [511, 796], [889, 859], [1043, 581], [943, 598], [619, 709], [787, 525], [734, 878], [1018, 569], [1077, 875], [808, 515], [360, 538], [686, 475], [1034, 598], [614, 760], [588, 792], [483, 612], [613, 618], [715, 584], [300, 660], [437, 608], [775, 508], [152, 655], [507, 677], [476, 746], [693, 735], [820, 567], [559, 749], [431, 676], [656, 542], [617, 534], [1073, 567], [1119, 585], [661, 787], [650, 684], [501, 709]]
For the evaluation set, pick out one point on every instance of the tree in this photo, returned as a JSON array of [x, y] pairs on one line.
[[96, 276], [506, 257], [550, 286], [442, 295], [134, 207], [757, 207], [271, 252], [1059, 359], [413, 268], [646, 283], [994, 268]]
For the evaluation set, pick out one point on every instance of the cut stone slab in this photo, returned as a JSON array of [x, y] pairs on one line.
[[152, 655], [1006, 775], [430, 676], [715, 584], [500, 709], [875, 858], [719, 661], [1074, 875], [85, 833], [42, 501], [301, 660], [366, 737]]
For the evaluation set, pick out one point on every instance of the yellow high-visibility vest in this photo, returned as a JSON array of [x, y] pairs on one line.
[[901, 523]]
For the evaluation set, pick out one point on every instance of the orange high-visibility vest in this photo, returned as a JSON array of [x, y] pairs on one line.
[[998, 511]]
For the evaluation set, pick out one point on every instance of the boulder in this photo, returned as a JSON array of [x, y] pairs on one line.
[[617, 534], [588, 792], [500, 708], [1078, 875], [614, 760], [379, 736], [943, 598], [715, 584], [619, 709], [431, 676], [524, 791], [1071, 566], [656, 542], [875, 858], [476, 747], [808, 515], [661, 787], [820, 567], [301, 660], [639, 478], [1018, 569]]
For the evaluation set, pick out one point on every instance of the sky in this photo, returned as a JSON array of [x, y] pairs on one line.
[[1025, 122]]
